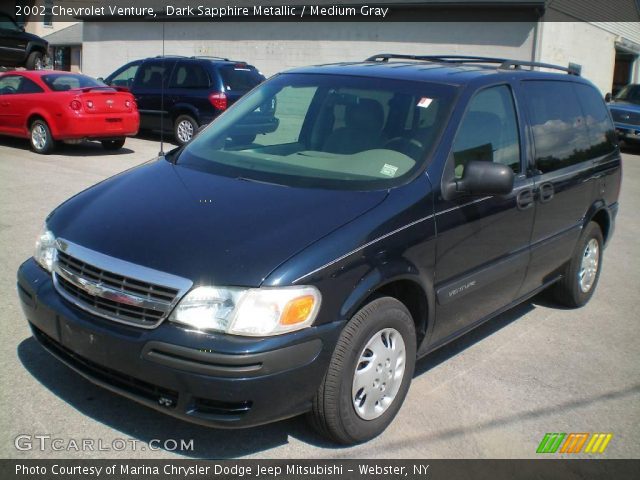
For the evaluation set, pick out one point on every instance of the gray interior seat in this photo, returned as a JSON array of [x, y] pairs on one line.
[[364, 121]]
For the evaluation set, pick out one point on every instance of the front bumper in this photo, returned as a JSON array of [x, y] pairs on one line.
[[211, 379]]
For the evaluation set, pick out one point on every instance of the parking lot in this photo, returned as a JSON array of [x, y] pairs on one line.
[[491, 394]]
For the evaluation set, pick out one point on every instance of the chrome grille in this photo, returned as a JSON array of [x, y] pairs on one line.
[[115, 289], [625, 116]]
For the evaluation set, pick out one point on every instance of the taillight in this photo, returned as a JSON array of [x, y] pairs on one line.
[[218, 100], [127, 103], [76, 105], [89, 104]]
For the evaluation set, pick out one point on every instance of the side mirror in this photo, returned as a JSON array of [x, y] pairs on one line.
[[607, 97], [100, 79], [21, 27], [485, 178]]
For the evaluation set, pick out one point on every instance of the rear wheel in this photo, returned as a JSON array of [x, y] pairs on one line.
[[184, 128], [369, 374], [40, 137], [35, 61], [581, 275], [115, 144]]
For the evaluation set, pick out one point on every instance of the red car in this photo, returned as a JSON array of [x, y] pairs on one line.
[[46, 106]]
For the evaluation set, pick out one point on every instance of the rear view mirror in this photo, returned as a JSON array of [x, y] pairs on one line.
[[485, 178]]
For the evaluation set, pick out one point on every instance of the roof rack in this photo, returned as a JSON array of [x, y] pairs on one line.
[[503, 63], [212, 57], [170, 56]]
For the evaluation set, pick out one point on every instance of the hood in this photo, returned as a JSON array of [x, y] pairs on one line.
[[207, 228]]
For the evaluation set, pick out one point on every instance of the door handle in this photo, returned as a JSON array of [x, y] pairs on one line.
[[525, 199], [546, 192]]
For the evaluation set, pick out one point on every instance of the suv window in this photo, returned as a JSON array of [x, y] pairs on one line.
[[153, 74], [189, 75], [239, 77], [488, 131], [599, 124], [559, 132], [6, 23], [125, 77]]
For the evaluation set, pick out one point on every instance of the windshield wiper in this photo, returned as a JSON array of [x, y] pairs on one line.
[[253, 180]]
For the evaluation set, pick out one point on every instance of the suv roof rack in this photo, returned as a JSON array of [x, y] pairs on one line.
[[211, 57], [503, 63], [170, 56]]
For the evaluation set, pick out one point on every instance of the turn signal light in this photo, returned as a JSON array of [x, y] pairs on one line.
[[218, 100], [75, 105], [297, 310]]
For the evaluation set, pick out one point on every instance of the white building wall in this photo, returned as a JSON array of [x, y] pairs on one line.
[[273, 47], [582, 43]]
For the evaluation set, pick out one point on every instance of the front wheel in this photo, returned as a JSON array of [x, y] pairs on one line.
[[369, 374], [40, 137], [184, 129], [116, 144], [581, 275]]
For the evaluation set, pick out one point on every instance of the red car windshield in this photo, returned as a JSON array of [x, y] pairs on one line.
[[60, 82]]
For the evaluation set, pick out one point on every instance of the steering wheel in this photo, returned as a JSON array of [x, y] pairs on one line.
[[409, 146]]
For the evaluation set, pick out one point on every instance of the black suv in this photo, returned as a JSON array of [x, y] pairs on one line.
[[248, 277], [179, 94], [19, 48]]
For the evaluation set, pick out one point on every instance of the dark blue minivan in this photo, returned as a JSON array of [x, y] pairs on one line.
[[394, 204], [180, 94]]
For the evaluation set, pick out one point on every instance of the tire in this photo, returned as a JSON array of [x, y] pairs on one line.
[[184, 128], [111, 145], [581, 276], [40, 137], [35, 61], [340, 408]]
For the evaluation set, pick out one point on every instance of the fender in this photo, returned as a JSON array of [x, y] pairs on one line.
[[600, 212], [184, 108], [35, 46], [48, 116], [385, 274]]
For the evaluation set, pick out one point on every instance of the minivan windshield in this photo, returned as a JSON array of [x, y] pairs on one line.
[[325, 131], [630, 93]]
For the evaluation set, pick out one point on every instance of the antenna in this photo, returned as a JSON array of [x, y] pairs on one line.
[[161, 152]]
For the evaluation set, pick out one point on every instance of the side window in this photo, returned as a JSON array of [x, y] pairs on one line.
[[489, 131], [28, 86], [10, 84], [153, 74], [559, 133], [189, 75], [125, 77], [599, 125]]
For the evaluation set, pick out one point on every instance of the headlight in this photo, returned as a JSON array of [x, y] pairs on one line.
[[253, 311], [45, 249]]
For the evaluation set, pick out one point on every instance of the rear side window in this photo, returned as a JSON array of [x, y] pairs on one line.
[[153, 74], [560, 135], [29, 86], [189, 75], [488, 131], [125, 77], [599, 125], [239, 78]]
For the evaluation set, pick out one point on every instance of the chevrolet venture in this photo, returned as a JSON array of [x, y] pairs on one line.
[[247, 277]]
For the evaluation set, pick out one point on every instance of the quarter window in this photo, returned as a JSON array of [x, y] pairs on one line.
[[559, 132], [489, 131], [599, 125]]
